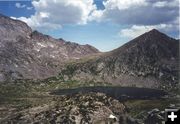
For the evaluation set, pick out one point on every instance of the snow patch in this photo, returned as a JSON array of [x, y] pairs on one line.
[[112, 116], [41, 44], [52, 56]]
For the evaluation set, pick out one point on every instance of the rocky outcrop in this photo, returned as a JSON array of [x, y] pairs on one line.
[[91, 108], [156, 116], [10, 28]]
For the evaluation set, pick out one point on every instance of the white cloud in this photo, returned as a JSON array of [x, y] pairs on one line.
[[44, 14], [141, 15], [56, 13], [19, 5], [160, 4], [123, 4], [138, 12], [29, 8], [96, 15], [36, 23], [136, 30]]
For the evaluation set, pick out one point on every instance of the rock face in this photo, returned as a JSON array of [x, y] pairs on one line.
[[10, 28], [27, 54], [91, 108], [150, 60]]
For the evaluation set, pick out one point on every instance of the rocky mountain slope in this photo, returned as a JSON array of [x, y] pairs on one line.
[[150, 60], [27, 54]]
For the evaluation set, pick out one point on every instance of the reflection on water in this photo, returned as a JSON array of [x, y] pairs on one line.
[[115, 92]]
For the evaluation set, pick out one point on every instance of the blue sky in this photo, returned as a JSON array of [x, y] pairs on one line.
[[8, 8], [105, 24]]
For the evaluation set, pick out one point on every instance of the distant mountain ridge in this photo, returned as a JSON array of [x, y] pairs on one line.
[[27, 54]]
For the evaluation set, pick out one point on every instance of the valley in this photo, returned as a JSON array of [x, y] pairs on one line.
[[48, 80], [19, 101]]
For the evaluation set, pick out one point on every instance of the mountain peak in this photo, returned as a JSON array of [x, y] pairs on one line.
[[150, 60], [154, 30], [151, 42], [152, 37]]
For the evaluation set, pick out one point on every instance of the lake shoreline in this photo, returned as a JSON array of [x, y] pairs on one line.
[[119, 93]]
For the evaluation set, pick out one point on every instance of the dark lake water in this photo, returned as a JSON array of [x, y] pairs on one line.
[[115, 92]]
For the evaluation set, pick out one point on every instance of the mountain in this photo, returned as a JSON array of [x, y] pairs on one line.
[[150, 60], [52, 65], [27, 54]]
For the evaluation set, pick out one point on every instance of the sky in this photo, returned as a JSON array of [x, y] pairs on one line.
[[104, 24]]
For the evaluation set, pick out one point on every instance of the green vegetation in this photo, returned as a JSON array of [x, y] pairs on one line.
[[22, 92], [33, 89], [138, 108]]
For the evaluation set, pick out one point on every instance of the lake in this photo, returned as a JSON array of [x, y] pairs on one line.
[[119, 93]]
